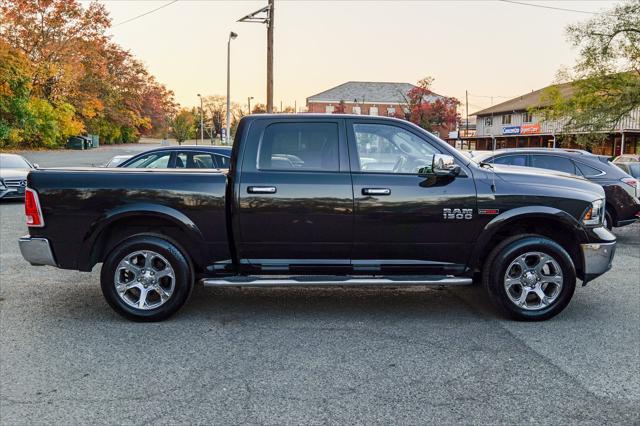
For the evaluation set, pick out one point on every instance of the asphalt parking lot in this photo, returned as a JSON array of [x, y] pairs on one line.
[[310, 356]]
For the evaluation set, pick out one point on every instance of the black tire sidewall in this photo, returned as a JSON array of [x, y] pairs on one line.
[[178, 261], [609, 218], [504, 257]]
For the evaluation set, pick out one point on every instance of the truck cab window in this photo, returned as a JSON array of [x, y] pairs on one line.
[[389, 149], [300, 147]]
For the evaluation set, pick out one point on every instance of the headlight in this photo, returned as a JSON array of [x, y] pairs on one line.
[[594, 214]]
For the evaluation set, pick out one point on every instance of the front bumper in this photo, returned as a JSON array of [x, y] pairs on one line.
[[36, 251], [597, 258]]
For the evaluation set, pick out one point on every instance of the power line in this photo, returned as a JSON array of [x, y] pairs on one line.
[[491, 96], [521, 3], [145, 13]]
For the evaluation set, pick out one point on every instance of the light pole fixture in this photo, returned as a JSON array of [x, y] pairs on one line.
[[232, 36], [249, 103], [201, 122], [265, 16]]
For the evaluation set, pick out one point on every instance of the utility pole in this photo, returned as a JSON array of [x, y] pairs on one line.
[[265, 16], [466, 94], [201, 122], [281, 107], [249, 103], [270, 57]]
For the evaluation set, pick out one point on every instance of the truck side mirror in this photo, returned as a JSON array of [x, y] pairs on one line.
[[444, 165]]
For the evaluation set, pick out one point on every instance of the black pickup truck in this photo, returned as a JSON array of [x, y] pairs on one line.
[[323, 200]]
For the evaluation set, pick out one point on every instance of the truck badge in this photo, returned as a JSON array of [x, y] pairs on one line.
[[457, 214]]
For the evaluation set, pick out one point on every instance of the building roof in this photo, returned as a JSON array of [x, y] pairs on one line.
[[526, 101], [371, 91]]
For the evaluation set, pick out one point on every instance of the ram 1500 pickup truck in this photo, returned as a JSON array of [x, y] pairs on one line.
[[323, 200]]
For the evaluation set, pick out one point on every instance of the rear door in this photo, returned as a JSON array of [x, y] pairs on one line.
[[295, 207], [406, 222]]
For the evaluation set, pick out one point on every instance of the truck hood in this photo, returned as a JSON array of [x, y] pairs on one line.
[[532, 176]]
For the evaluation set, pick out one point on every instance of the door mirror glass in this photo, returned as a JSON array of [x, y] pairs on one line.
[[444, 165]]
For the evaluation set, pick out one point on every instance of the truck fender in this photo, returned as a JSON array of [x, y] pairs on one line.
[[507, 218], [191, 230]]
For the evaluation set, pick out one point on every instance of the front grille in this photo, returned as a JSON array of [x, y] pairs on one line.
[[14, 183]]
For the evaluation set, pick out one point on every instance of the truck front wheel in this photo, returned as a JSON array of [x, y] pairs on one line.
[[146, 278], [530, 277]]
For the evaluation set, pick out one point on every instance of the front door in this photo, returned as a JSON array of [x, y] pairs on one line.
[[406, 222], [295, 197]]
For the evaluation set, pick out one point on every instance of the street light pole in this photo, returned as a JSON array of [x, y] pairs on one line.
[[232, 36], [201, 122], [249, 103]]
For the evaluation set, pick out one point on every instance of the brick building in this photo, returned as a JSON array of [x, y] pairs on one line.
[[511, 125], [367, 98]]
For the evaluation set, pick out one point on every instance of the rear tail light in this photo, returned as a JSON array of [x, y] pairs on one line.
[[32, 209]]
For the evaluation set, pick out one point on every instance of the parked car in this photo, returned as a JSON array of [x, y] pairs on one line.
[[13, 175], [621, 189], [629, 163], [297, 207], [627, 158], [632, 169], [182, 157], [116, 160]]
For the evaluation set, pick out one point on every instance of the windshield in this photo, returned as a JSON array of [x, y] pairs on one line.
[[13, 162]]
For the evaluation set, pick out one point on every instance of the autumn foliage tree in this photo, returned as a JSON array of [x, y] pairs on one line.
[[88, 82], [429, 110]]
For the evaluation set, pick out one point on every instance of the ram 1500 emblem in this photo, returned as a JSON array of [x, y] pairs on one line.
[[457, 213]]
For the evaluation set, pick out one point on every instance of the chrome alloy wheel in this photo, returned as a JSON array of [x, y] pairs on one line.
[[144, 280], [533, 280]]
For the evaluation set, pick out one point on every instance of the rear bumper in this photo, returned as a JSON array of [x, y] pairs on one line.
[[36, 251], [597, 258]]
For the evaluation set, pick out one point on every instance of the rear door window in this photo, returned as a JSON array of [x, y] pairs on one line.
[[553, 162], [512, 160], [300, 147]]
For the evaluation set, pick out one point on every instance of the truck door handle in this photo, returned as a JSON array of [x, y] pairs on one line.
[[261, 189], [376, 191]]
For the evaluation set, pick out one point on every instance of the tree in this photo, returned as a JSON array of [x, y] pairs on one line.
[[15, 85], [430, 111], [216, 105], [72, 64], [259, 109], [341, 108], [183, 125], [604, 85], [289, 110]]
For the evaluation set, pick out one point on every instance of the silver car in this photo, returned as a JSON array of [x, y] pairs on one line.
[[13, 175]]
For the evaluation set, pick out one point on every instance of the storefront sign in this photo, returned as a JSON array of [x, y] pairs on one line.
[[528, 129], [511, 130]]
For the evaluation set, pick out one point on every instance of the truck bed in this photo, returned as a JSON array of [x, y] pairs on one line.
[[80, 203]]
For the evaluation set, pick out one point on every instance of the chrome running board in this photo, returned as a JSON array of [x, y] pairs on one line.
[[330, 280]]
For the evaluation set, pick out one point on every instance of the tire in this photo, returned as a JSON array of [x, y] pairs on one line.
[[608, 219], [529, 278], [149, 266]]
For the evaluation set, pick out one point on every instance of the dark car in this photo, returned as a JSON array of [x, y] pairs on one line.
[[322, 200], [13, 176], [621, 189], [181, 157]]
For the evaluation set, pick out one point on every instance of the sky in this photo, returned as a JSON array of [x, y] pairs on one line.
[[489, 48]]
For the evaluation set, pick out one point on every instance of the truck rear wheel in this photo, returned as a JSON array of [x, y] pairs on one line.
[[146, 278], [530, 277]]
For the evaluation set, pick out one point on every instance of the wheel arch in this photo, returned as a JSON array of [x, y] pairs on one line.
[[118, 224], [550, 222]]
